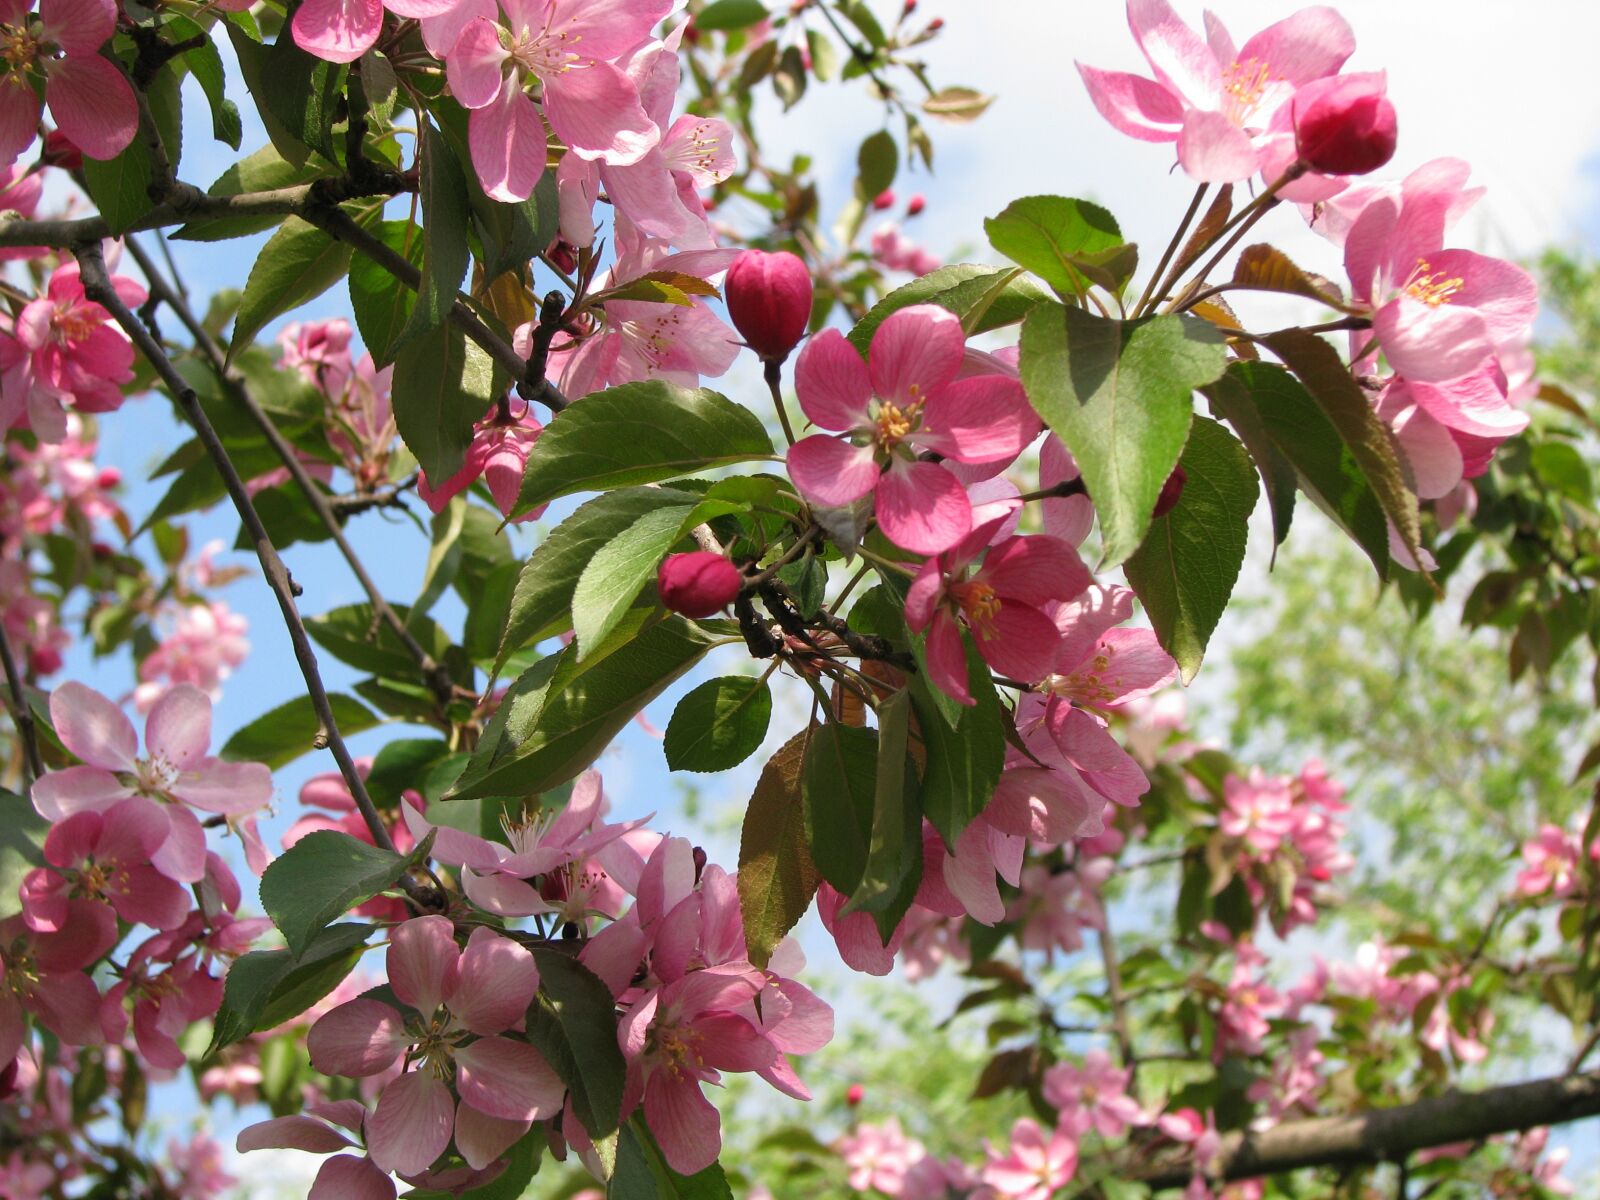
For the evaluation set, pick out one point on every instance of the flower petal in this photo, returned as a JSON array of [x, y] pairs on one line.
[[357, 1039], [509, 1080], [597, 113], [424, 962], [291, 1133], [495, 984], [179, 726], [411, 1126], [507, 142], [983, 419], [93, 728], [339, 31], [914, 353], [482, 1138], [921, 506], [346, 1177], [832, 472], [831, 381]]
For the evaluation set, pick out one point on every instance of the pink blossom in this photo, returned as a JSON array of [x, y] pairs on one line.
[[1054, 905], [319, 351], [904, 399], [329, 791], [897, 252], [1243, 1022], [197, 1167], [31, 622], [206, 642], [90, 100], [856, 935], [933, 1178], [21, 1179], [1067, 517], [503, 1084], [21, 189], [105, 856], [592, 106], [318, 1131], [499, 453], [879, 1156], [1294, 1082], [65, 349], [1217, 102], [42, 974], [1098, 665], [342, 31], [1036, 1167], [1093, 1096], [1552, 861], [1258, 809], [1087, 767], [175, 773]]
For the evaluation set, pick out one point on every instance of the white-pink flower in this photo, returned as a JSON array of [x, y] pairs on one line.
[[1037, 1166], [1093, 1096]]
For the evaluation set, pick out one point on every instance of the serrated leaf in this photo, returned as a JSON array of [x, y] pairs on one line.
[[1048, 234], [777, 878], [961, 288], [638, 433], [444, 234], [1267, 269], [120, 186], [877, 163], [205, 64], [297, 264], [320, 878], [893, 867], [381, 305], [288, 731], [262, 171], [719, 724], [443, 384], [660, 287], [1185, 571], [265, 988], [961, 764], [619, 571], [1120, 395], [583, 1010], [838, 782]]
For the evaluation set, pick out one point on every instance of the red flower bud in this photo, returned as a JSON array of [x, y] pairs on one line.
[[911, 7], [1345, 124], [935, 25], [916, 204], [1171, 490], [769, 300], [857, 1093], [883, 200], [59, 151], [697, 584]]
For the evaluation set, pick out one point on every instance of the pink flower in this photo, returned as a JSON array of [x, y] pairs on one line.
[[319, 350], [106, 856], [1257, 809], [66, 348], [197, 1166], [1552, 860], [21, 189], [343, 1177], [1098, 665], [904, 399], [42, 974], [698, 584], [342, 31], [175, 773], [89, 99], [856, 935], [1344, 125], [1000, 603], [1215, 101], [503, 1084], [897, 252], [1093, 1096], [568, 48], [879, 1156], [207, 641], [499, 453], [1037, 1167], [769, 301]]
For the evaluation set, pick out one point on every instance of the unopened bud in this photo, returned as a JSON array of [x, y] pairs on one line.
[[856, 1093], [935, 25], [1344, 124], [697, 584], [1171, 492], [769, 300], [883, 200], [916, 204], [59, 151]]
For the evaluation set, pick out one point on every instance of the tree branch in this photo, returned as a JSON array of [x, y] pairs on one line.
[[1390, 1134], [21, 714], [97, 286]]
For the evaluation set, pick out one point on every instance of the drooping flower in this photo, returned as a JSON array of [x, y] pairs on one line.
[[905, 398], [175, 773], [89, 99], [498, 453]]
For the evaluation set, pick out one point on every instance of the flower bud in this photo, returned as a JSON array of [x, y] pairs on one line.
[[1171, 490], [855, 1095], [59, 151], [697, 584], [769, 300], [916, 204], [883, 200], [1344, 124]]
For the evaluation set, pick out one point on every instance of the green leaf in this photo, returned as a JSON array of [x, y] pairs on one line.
[[302, 92], [205, 64], [1346, 406], [1562, 468], [1231, 402], [320, 878], [777, 878], [1185, 571], [727, 15], [660, 287], [638, 433], [541, 605], [444, 233], [22, 834], [962, 288], [958, 105], [1055, 238], [1120, 395], [643, 1174], [297, 264], [263, 171], [581, 1008], [265, 988], [619, 571], [719, 724], [288, 731], [893, 866], [877, 163], [382, 306], [352, 634], [443, 384], [961, 764], [838, 783], [120, 186], [399, 765], [558, 717], [1324, 463]]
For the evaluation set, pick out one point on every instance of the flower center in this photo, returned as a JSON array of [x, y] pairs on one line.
[[979, 605], [697, 151], [20, 47], [544, 54], [156, 775], [72, 323], [893, 423], [654, 338], [1431, 287], [675, 1048], [525, 835], [1243, 85]]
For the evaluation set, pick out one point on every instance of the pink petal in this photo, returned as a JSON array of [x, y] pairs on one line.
[[1136, 665], [231, 788], [178, 728], [1035, 569], [441, 33], [983, 419], [831, 472], [12, 1028], [482, 1138], [947, 658], [503, 895], [182, 856], [686, 1125], [77, 789], [474, 65], [19, 120], [508, 146], [411, 1126], [496, 983], [1175, 52], [831, 381], [923, 595], [424, 962], [614, 954], [1304, 46], [597, 113], [1018, 641], [507, 1079], [78, 26], [69, 1006], [809, 1025], [346, 1177], [1474, 403], [1213, 149], [420, 8], [1430, 451], [969, 874], [357, 1039], [92, 104], [921, 506], [1431, 343], [93, 728], [338, 31], [1505, 294], [914, 353], [291, 1133], [1138, 107], [450, 845]]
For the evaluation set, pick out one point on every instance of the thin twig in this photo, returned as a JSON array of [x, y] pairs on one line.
[[21, 714], [1119, 1001], [97, 286], [1172, 248]]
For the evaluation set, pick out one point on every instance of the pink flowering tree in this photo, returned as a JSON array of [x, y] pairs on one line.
[[669, 419]]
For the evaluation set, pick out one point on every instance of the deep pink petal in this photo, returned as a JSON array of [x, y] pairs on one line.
[[507, 1079], [93, 728], [357, 1039], [921, 507], [947, 658], [914, 353], [1035, 569], [830, 379], [1138, 107], [1018, 641], [19, 119], [78, 26], [831, 472], [423, 962], [507, 142], [983, 419], [411, 1126], [923, 595], [338, 31], [182, 856], [92, 104], [495, 984], [69, 1006]]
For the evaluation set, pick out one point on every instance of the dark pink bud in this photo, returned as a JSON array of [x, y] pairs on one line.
[[1345, 124], [857, 1093], [916, 204], [562, 254], [59, 151], [1171, 491], [109, 477], [697, 584], [883, 200], [935, 25], [769, 299]]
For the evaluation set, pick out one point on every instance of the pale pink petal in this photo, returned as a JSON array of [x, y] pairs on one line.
[[423, 962], [686, 1125], [495, 985], [1138, 107], [357, 1039], [449, 845], [614, 954], [1177, 55], [338, 31], [346, 1177], [474, 64], [1503, 293], [597, 113], [503, 895], [508, 145], [1475, 403], [833, 473], [77, 789], [411, 1126], [182, 856], [831, 382], [1213, 149], [1430, 452], [508, 1079], [178, 728], [1136, 665], [291, 1133], [914, 353], [482, 1138], [921, 506], [1307, 45], [232, 788], [420, 8], [969, 874], [1431, 342], [93, 728]]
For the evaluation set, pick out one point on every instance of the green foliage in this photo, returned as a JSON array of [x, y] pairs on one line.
[[1070, 244], [288, 731], [573, 1023], [443, 385], [265, 988], [320, 878], [719, 724], [22, 834], [777, 877], [298, 264], [1004, 296]]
